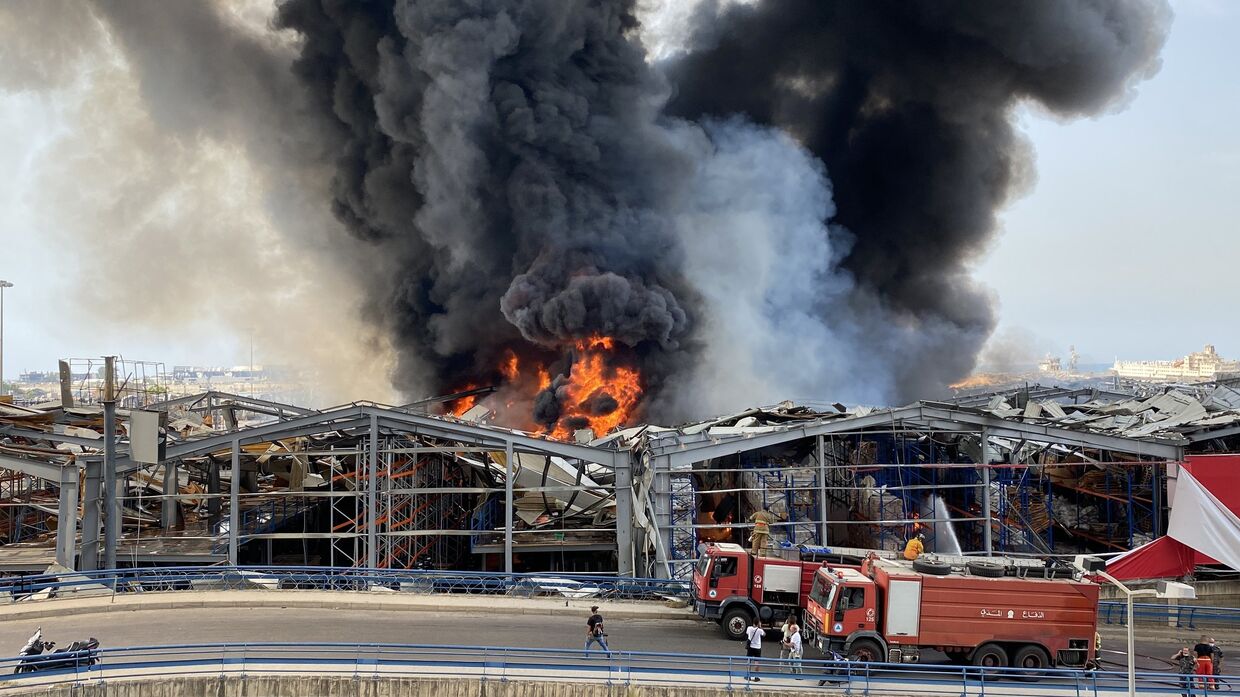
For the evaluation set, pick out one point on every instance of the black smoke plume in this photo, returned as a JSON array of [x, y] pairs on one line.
[[910, 106], [797, 221], [507, 156]]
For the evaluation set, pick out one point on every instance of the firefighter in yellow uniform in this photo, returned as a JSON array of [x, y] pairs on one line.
[[761, 529], [915, 547]]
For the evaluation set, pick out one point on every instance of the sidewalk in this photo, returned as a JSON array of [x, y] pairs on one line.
[[338, 600]]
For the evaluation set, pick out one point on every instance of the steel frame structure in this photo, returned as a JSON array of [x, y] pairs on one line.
[[407, 486]]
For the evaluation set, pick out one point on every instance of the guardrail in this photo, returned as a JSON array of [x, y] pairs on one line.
[[617, 667], [178, 578], [1183, 616]]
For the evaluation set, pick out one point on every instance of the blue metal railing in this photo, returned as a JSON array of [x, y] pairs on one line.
[[1184, 616], [478, 583], [617, 667], [344, 579]]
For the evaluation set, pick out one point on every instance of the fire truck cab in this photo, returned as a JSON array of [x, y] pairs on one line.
[[732, 586]]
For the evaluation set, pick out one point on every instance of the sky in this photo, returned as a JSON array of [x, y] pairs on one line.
[[1124, 246]]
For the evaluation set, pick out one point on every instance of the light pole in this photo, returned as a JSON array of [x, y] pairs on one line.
[[1166, 589], [3, 285]]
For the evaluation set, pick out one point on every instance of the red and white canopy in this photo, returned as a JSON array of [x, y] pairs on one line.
[[1203, 527]]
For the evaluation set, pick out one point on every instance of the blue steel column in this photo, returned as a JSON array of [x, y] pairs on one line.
[[987, 533], [372, 494], [66, 520], [821, 453], [234, 504], [93, 471], [624, 517]]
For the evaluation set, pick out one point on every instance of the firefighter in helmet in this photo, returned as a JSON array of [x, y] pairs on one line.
[[761, 529], [916, 545]]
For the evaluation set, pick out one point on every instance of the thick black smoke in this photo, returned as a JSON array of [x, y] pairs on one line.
[[798, 221], [506, 155], [909, 104]]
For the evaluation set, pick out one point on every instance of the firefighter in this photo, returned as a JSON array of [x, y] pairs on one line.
[[761, 529], [916, 545]]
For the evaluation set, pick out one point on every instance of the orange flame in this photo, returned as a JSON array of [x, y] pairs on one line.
[[597, 393], [459, 406], [592, 380], [511, 368]]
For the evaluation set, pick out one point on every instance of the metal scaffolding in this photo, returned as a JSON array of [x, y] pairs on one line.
[[247, 480]]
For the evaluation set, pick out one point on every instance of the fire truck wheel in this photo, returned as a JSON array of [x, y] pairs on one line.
[[990, 656], [1033, 658], [735, 622], [933, 567], [866, 651], [986, 569]]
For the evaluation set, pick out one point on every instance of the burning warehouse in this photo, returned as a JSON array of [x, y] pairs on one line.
[[245, 480], [570, 232]]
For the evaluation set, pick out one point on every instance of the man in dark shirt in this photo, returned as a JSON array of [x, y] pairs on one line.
[[594, 630], [1205, 662]]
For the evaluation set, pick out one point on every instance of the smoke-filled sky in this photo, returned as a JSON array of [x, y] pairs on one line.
[[769, 204]]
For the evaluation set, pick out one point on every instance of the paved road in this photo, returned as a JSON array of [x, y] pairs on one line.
[[183, 626], [267, 624]]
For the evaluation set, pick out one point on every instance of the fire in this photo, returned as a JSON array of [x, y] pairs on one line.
[[511, 367], [598, 391], [599, 395], [459, 406]]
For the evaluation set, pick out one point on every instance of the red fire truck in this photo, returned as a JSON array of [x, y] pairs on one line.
[[732, 586], [985, 614]]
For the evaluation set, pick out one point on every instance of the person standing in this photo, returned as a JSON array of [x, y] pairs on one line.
[[1205, 662], [1216, 660], [761, 530], [795, 648], [594, 630], [1186, 665], [753, 645], [916, 545], [785, 635]]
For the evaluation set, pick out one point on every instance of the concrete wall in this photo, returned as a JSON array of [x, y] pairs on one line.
[[1209, 594], [315, 686]]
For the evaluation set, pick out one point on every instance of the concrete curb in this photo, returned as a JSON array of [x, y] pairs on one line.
[[332, 600]]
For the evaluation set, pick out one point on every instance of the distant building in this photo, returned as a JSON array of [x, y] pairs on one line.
[[1202, 365], [1050, 364]]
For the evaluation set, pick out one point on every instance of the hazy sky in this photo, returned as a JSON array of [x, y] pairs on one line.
[[1125, 245]]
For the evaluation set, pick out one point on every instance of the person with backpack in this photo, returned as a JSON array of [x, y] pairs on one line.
[[753, 645], [594, 630]]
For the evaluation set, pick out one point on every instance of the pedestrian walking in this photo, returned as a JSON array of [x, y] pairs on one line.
[[785, 634], [1205, 662], [796, 648], [753, 645], [594, 631], [1186, 665]]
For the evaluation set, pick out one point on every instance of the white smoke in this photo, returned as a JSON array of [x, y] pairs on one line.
[[170, 228], [778, 322]]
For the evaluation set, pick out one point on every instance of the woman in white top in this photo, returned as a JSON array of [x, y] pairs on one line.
[[753, 644], [785, 634]]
